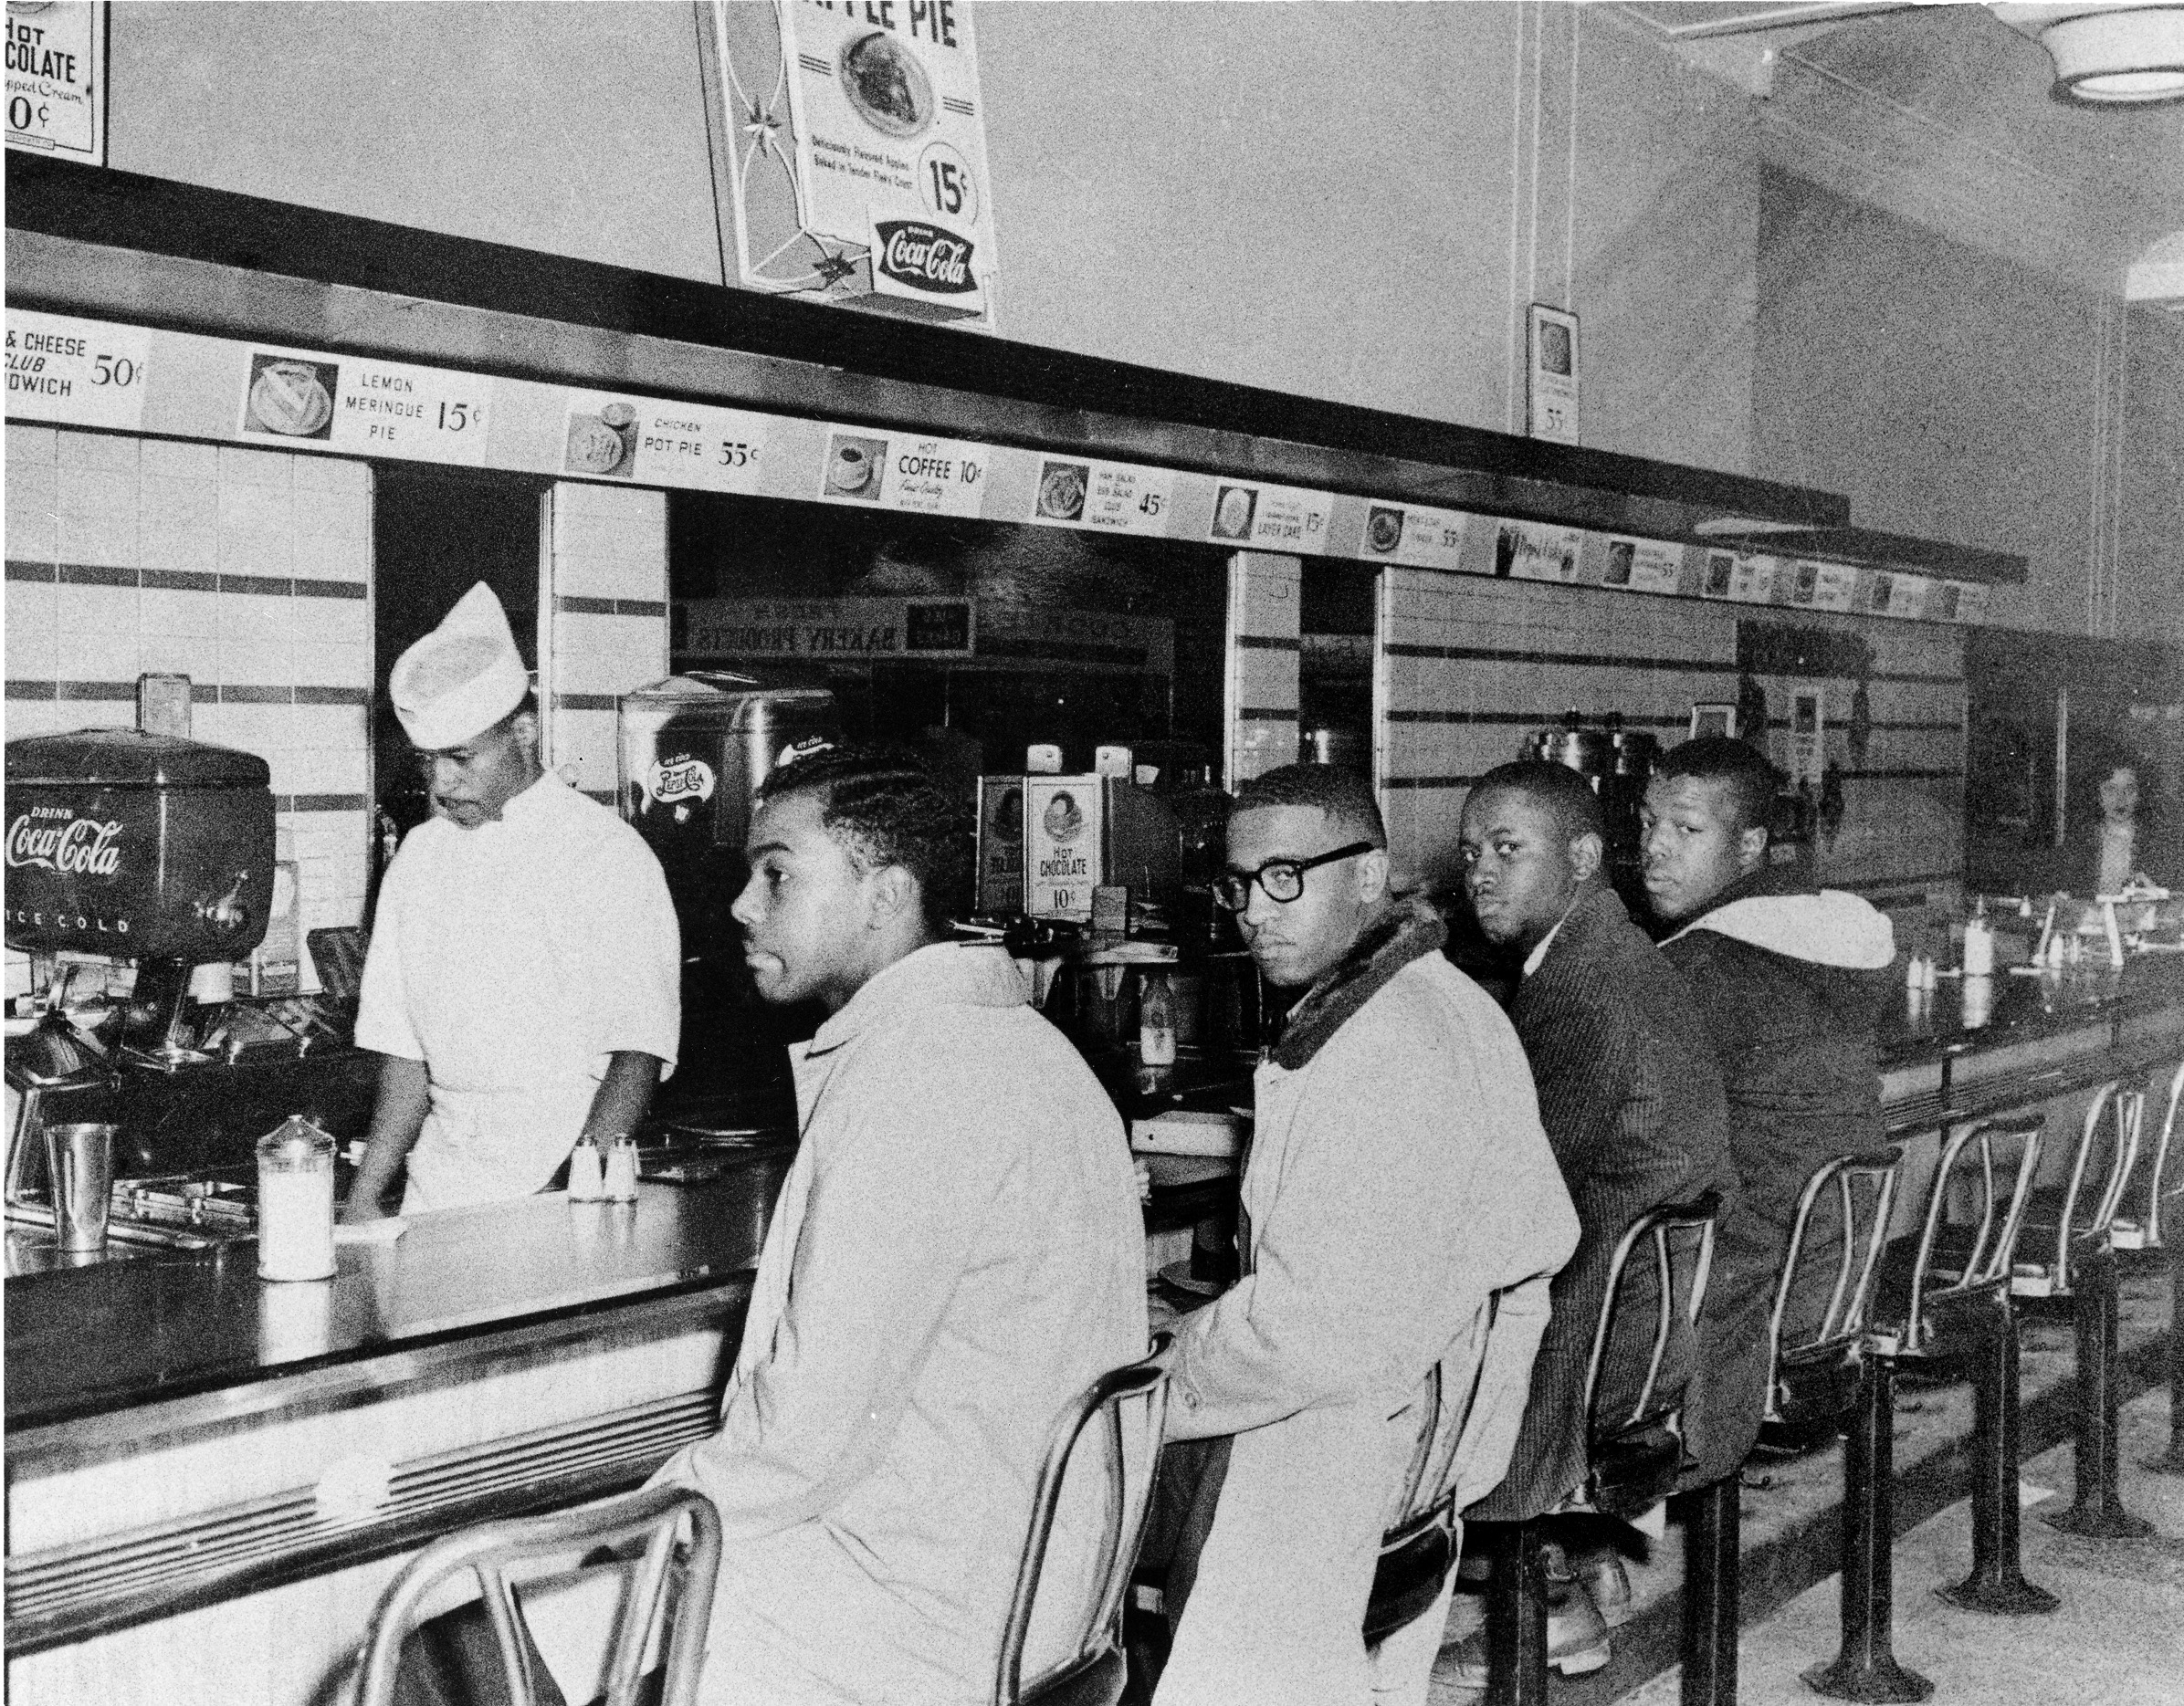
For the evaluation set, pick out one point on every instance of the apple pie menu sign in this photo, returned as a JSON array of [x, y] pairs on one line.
[[890, 144]]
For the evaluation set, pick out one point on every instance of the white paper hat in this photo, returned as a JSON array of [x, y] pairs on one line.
[[462, 678]]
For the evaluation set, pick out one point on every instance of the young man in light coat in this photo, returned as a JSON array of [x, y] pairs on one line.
[[956, 1254], [1398, 1179]]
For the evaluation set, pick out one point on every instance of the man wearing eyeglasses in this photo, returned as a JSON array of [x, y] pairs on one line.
[[1398, 1179]]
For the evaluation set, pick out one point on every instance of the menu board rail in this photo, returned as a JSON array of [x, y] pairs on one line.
[[77, 372]]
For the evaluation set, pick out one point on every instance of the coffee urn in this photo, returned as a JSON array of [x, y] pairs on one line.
[[1618, 762]]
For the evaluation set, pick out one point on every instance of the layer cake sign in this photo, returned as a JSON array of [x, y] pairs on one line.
[[888, 149]]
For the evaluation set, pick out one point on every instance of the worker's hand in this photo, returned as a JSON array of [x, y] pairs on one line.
[[1160, 1314]]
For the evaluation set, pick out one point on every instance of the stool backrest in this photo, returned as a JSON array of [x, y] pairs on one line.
[[2165, 1194], [671, 1577], [1463, 1449], [1682, 1238], [1984, 1268], [1636, 1453], [2094, 1189], [1863, 1187], [1124, 1411]]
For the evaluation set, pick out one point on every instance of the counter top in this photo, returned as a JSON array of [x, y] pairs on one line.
[[116, 1335], [2021, 1007]]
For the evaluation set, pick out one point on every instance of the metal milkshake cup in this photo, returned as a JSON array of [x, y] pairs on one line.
[[79, 1163]]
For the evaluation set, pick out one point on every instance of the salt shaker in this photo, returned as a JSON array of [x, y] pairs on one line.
[[622, 1172], [295, 1202], [586, 1184]]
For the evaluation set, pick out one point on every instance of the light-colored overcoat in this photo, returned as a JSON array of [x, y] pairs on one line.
[[1396, 1179]]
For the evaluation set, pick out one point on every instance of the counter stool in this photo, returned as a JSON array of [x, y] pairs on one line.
[[1962, 1310], [1845, 1372], [1419, 1547], [2152, 1192], [2164, 1226], [670, 1569], [1129, 1406], [2069, 1236], [1634, 1456]]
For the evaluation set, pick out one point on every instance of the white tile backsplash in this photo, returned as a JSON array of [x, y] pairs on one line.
[[31, 446], [255, 468], [105, 539], [162, 544], [109, 451], [30, 630]]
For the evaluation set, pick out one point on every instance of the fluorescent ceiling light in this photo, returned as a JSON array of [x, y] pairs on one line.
[[2127, 57]]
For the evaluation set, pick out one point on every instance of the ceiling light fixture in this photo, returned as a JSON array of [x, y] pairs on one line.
[[2125, 56]]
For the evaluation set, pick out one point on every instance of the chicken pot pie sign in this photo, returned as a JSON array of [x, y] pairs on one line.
[[891, 147]]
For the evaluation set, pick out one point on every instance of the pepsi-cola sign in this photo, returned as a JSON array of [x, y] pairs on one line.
[[924, 257], [680, 778]]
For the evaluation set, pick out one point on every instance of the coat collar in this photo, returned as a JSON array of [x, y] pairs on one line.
[[952, 974], [1408, 930], [1596, 910]]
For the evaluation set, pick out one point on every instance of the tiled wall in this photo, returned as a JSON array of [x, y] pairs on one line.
[[1468, 666], [604, 606], [248, 571], [1259, 701]]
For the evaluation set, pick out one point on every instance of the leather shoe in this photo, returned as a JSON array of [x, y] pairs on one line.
[[1577, 1640], [1608, 1581]]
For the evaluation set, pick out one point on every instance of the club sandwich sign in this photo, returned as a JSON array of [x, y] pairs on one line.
[[890, 146]]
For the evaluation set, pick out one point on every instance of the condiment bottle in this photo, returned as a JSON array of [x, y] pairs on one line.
[[586, 1182], [1156, 1022], [1979, 943], [295, 1202]]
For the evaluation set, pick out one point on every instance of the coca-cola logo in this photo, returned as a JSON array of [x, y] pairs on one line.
[[924, 258], [69, 846], [686, 778]]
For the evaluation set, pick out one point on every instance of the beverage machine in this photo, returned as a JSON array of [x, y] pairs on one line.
[[693, 751], [131, 849]]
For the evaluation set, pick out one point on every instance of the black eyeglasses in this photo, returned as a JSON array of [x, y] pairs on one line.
[[1282, 879]]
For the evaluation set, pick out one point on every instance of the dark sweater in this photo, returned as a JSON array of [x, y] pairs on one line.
[[1789, 982], [1634, 1113]]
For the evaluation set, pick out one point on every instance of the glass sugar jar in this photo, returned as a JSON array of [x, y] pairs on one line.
[[295, 1201]]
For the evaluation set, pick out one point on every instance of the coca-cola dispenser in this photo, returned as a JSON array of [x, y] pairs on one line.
[[149, 848], [143, 847], [693, 751]]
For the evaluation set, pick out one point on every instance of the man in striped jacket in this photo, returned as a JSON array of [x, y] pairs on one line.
[[1632, 1099]]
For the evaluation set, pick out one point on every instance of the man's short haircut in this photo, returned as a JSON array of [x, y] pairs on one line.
[[1344, 795], [1554, 788], [1741, 768], [884, 809]]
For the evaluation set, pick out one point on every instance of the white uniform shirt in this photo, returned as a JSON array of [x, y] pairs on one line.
[[513, 959], [956, 1253]]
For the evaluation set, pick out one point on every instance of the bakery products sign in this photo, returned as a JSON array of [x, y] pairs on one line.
[[860, 152]]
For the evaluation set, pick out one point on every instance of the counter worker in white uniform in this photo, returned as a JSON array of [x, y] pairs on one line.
[[524, 974]]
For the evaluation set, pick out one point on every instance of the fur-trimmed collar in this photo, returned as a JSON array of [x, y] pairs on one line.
[[1408, 930]]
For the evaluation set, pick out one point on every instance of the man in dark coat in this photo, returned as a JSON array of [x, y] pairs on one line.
[[1629, 1093], [1790, 981]]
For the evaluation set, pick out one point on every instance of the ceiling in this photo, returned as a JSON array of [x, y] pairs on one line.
[[1942, 113]]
